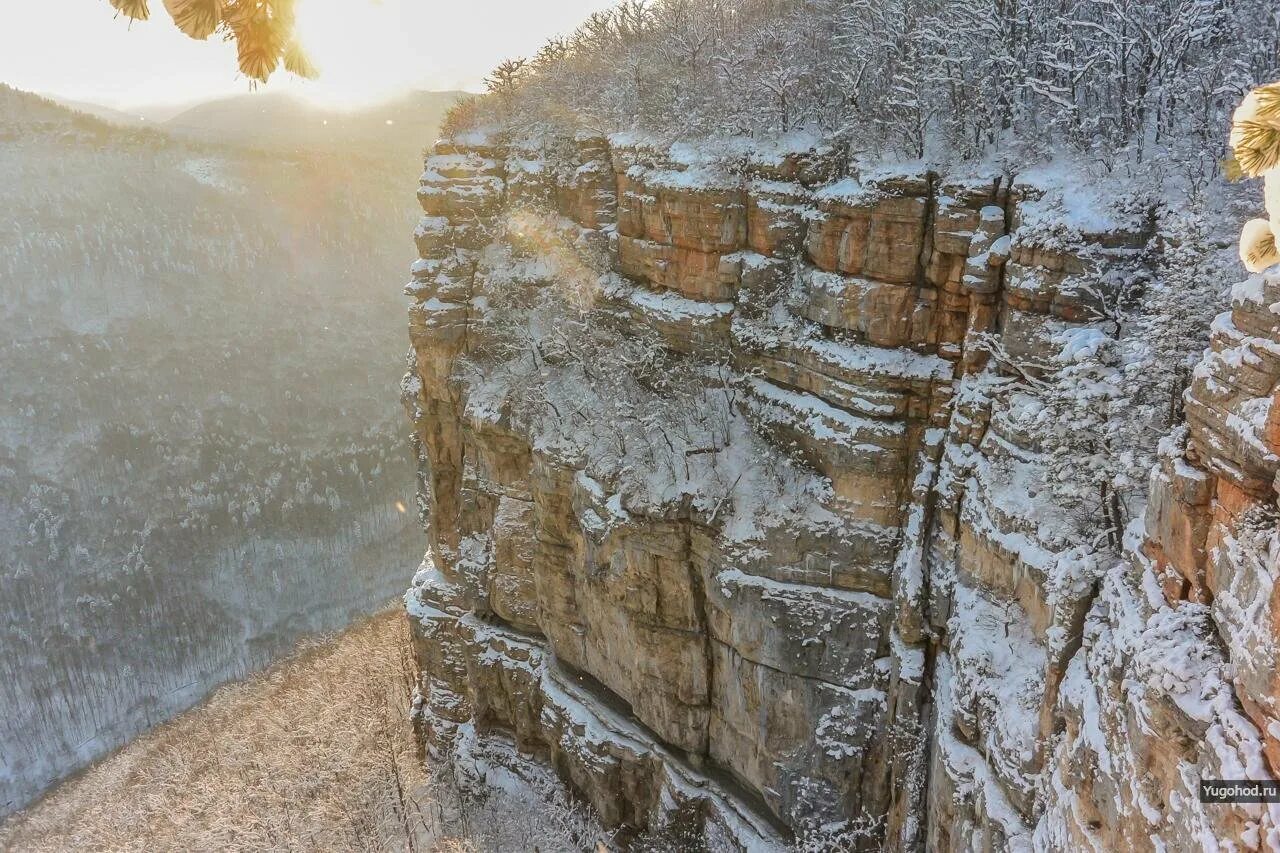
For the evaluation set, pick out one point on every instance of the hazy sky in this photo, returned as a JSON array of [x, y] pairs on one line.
[[366, 48]]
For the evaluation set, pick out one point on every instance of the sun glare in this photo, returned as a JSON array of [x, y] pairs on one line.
[[359, 48]]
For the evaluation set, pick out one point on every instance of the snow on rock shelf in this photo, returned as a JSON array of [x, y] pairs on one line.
[[730, 501]]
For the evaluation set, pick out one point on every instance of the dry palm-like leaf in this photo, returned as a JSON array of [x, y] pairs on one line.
[[261, 29], [256, 61], [198, 19], [256, 28], [1268, 102], [136, 9], [297, 62], [1256, 145], [1258, 246], [1255, 131]]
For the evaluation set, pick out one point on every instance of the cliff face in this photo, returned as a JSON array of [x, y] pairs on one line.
[[756, 522]]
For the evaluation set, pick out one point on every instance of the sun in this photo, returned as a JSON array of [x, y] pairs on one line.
[[360, 48]]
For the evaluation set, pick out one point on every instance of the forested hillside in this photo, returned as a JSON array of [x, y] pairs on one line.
[[201, 455], [270, 121], [1118, 80]]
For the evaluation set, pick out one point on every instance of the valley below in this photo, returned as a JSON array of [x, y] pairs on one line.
[[201, 455]]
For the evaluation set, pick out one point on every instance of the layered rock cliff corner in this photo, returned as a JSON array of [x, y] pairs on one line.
[[732, 501]]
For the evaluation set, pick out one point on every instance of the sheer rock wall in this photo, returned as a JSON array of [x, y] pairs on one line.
[[919, 658]]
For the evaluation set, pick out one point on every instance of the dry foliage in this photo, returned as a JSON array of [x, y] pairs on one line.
[[315, 753], [261, 29]]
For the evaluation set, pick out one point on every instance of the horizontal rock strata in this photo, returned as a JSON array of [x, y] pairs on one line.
[[889, 641]]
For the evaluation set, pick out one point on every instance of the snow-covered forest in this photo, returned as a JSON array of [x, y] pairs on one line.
[[201, 454], [1115, 80]]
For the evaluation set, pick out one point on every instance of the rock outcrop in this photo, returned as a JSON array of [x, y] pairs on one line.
[[835, 602], [1176, 678]]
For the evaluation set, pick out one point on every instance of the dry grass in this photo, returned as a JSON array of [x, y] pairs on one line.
[[315, 753]]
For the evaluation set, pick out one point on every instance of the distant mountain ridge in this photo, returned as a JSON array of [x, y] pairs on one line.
[[21, 107], [124, 118], [25, 116], [276, 121]]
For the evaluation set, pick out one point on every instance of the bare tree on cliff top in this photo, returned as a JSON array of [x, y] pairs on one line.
[[261, 29]]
